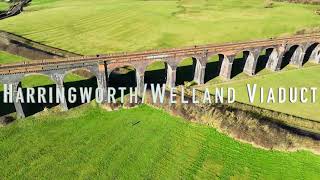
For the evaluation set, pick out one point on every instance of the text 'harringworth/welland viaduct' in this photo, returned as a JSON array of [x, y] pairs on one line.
[[101, 66]]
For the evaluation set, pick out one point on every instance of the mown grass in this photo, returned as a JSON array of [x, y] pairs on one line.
[[89, 142], [91, 27], [3, 6], [306, 77], [6, 58]]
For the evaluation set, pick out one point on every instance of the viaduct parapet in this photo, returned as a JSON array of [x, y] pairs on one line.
[[102, 65]]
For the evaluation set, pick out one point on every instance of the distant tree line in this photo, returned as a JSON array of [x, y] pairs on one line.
[[315, 2]]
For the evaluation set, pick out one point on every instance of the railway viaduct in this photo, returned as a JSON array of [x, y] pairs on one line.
[[102, 65]]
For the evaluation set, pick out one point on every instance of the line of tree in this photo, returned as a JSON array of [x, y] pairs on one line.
[[315, 2]]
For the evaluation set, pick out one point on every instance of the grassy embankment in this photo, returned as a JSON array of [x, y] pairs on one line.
[[307, 77], [137, 143], [6, 58]]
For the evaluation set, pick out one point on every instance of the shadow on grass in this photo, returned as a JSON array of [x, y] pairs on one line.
[[287, 56], [185, 73], [155, 77], [263, 60], [128, 79], [237, 67], [33, 108], [212, 70], [308, 54]]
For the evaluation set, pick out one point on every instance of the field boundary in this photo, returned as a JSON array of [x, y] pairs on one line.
[[30, 49], [293, 121], [247, 126]]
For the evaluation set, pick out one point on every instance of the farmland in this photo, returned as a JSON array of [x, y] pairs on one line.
[[143, 142], [93, 27], [10, 58], [88, 142], [3, 6]]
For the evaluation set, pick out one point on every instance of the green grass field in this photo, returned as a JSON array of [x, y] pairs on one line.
[[90, 27], [305, 77], [89, 142], [3, 6], [6, 58]]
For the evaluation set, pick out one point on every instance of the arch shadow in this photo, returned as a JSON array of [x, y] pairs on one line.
[[213, 67], [239, 63], [33, 108], [156, 73], [88, 82], [185, 71], [288, 55], [6, 108], [309, 52], [124, 76], [263, 59], [42, 82]]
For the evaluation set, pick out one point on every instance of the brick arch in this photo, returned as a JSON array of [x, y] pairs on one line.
[[242, 51], [293, 55], [247, 63], [114, 66], [157, 76], [220, 56], [157, 60], [312, 52], [290, 46], [269, 57], [36, 74], [296, 47], [313, 44], [180, 60], [213, 65], [87, 82], [186, 73], [127, 80], [273, 51], [269, 47], [29, 109], [87, 69]]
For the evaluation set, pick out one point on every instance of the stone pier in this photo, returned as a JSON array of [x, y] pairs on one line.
[[171, 75], [226, 66], [140, 69], [251, 58], [102, 81], [16, 102], [275, 58], [297, 57], [315, 55], [140, 83], [200, 69], [58, 79]]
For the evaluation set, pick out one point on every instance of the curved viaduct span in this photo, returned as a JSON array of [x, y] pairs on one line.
[[102, 66]]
